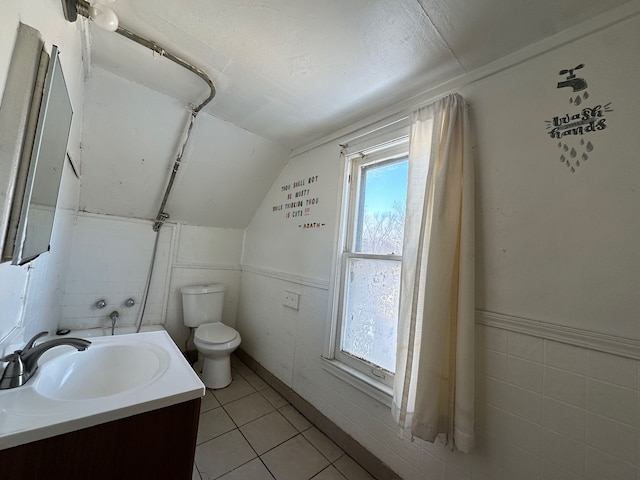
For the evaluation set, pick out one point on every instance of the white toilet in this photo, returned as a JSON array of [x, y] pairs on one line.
[[202, 308]]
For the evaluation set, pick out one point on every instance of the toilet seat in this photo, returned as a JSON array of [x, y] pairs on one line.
[[215, 333]]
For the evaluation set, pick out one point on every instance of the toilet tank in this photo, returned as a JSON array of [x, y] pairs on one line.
[[202, 304]]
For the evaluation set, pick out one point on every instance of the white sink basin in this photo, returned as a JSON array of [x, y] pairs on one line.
[[116, 377], [100, 371]]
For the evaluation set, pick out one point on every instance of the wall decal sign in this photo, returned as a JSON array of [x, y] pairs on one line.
[[299, 202], [574, 129]]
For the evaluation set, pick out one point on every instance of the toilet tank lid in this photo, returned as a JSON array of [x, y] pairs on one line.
[[200, 289]]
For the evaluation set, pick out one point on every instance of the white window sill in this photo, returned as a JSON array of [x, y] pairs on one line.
[[376, 390]]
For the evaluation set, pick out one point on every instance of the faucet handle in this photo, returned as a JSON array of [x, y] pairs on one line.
[[11, 357], [30, 343]]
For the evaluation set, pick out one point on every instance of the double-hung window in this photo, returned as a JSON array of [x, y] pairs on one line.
[[367, 283]]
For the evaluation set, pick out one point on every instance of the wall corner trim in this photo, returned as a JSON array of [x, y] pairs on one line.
[[621, 346]]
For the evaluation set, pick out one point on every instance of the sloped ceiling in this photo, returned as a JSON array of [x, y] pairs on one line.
[[287, 72], [293, 71]]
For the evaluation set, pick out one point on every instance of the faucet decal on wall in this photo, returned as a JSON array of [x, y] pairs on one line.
[[573, 129], [577, 84]]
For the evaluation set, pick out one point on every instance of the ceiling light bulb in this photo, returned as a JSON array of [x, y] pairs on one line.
[[104, 17]]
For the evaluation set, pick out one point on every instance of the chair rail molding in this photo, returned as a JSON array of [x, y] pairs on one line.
[[621, 346]]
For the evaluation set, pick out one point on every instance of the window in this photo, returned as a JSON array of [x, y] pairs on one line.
[[367, 283]]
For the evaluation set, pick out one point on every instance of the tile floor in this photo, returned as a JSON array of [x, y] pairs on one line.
[[248, 431]]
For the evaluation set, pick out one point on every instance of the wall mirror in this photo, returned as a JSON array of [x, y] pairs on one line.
[[41, 155]]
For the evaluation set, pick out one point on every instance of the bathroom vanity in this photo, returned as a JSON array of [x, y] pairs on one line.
[[125, 408], [156, 444]]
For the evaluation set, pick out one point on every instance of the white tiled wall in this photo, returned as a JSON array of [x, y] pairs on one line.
[[183, 276], [557, 410], [545, 410], [202, 256], [13, 284], [30, 295], [110, 260]]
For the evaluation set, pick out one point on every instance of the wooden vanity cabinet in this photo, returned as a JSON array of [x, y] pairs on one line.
[[159, 444]]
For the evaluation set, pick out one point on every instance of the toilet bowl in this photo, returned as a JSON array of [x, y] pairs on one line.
[[215, 341]]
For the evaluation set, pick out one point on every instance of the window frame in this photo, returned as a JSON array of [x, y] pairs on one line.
[[365, 376]]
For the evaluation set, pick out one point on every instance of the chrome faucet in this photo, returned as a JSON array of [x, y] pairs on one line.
[[24, 363], [115, 316]]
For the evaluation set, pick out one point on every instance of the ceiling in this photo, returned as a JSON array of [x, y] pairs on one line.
[[294, 71]]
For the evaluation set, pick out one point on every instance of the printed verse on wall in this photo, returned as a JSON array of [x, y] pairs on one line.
[[299, 201]]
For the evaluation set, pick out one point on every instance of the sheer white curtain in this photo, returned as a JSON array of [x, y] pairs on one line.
[[434, 380]]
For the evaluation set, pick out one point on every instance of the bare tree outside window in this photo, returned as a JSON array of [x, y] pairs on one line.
[[383, 231]]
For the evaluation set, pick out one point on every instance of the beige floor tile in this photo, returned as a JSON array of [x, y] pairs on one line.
[[268, 432], [254, 470], [274, 397], [323, 443], [329, 473], [240, 367], [295, 417], [256, 382], [350, 469], [223, 454], [213, 424], [237, 389], [296, 459], [209, 402], [248, 408]]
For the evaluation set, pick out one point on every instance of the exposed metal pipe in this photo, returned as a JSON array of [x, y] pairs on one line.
[[151, 45], [162, 216], [71, 10]]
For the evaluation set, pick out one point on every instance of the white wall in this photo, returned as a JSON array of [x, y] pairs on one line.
[[111, 260], [131, 139], [553, 246], [204, 255], [131, 135], [275, 242], [31, 295]]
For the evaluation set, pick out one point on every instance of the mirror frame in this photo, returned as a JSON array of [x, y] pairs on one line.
[[18, 116], [29, 131], [55, 112]]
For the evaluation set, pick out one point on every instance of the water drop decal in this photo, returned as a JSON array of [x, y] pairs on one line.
[[563, 158], [582, 141], [559, 144], [578, 100], [577, 163], [585, 95], [573, 170], [584, 157], [589, 147], [573, 153], [565, 148], [568, 164]]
